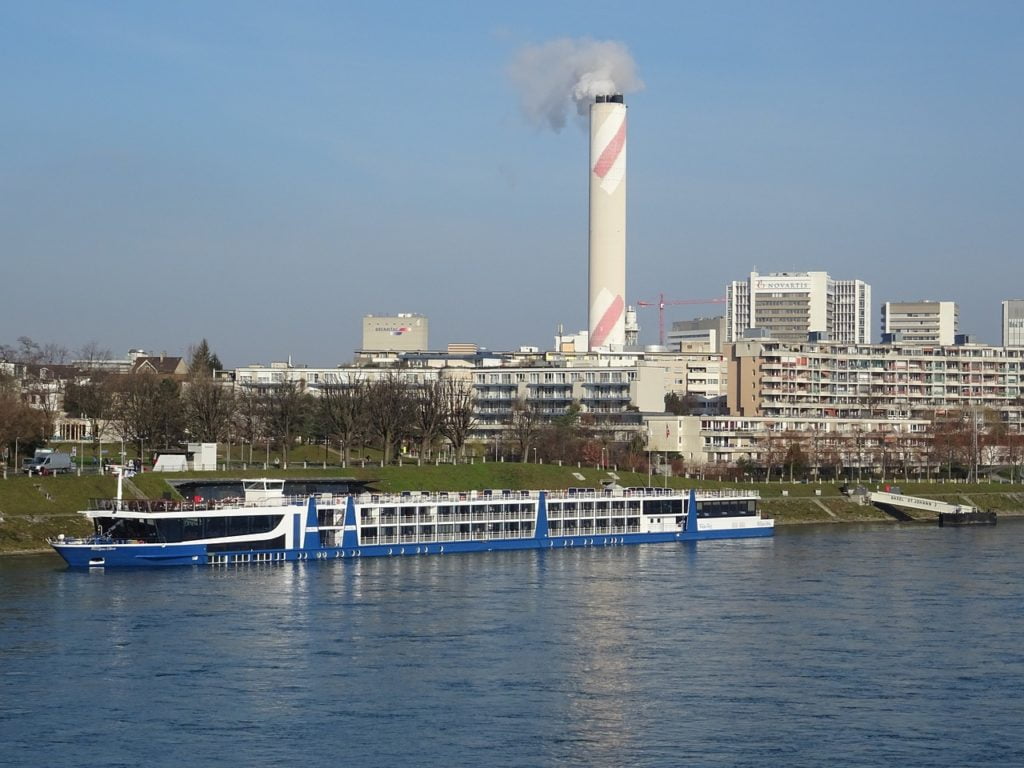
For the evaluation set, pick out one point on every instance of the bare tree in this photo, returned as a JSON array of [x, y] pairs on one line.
[[343, 409], [990, 431], [860, 444], [428, 414], [795, 455], [459, 412], [389, 410], [772, 450], [832, 454], [285, 408], [90, 354], [249, 420], [91, 398], [31, 352], [524, 427], [951, 440], [209, 408], [147, 409], [903, 453], [879, 449]]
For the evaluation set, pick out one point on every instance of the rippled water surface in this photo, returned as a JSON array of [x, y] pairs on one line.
[[831, 645]]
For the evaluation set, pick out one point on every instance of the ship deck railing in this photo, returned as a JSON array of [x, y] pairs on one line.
[[423, 497], [727, 493], [173, 505], [450, 497], [442, 497]]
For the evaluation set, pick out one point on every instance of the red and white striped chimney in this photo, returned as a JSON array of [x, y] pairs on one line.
[[607, 222]]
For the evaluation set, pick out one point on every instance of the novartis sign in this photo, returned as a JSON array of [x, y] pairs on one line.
[[782, 285]]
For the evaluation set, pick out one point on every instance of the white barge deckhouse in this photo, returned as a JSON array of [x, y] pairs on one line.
[[267, 526]]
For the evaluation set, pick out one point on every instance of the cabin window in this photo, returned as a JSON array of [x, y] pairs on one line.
[[663, 507], [194, 528]]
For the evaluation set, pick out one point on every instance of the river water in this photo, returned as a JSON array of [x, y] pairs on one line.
[[832, 645]]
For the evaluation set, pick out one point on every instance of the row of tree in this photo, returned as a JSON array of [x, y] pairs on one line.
[[572, 437], [958, 444], [27, 351], [386, 413]]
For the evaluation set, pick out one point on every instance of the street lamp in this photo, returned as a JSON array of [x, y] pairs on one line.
[[534, 454]]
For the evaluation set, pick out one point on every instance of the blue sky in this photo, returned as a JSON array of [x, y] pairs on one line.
[[264, 174]]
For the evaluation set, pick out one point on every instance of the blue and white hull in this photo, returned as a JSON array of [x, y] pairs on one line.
[[146, 534]]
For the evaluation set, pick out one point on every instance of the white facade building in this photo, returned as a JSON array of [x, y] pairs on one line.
[[921, 322], [789, 306], [1013, 323]]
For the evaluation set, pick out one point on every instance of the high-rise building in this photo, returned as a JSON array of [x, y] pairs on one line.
[[1013, 323], [920, 322], [790, 306]]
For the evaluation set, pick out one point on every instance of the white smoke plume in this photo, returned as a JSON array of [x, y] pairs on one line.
[[551, 77]]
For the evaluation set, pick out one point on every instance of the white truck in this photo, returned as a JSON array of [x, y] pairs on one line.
[[47, 462]]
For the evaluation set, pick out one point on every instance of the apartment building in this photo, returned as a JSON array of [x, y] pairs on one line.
[[610, 395], [894, 381], [730, 440]]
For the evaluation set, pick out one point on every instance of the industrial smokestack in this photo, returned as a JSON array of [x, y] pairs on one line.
[[607, 222], [590, 75]]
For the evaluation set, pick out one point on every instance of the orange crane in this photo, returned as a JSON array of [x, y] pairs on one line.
[[661, 304]]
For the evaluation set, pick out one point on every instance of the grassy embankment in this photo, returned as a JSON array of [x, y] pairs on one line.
[[32, 508]]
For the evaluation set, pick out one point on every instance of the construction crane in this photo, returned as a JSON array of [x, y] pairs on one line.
[[662, 302]]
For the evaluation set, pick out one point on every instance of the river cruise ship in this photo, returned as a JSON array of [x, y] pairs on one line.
[[266, 526]]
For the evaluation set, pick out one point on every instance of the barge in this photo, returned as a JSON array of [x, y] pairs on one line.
[[960, 517]]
